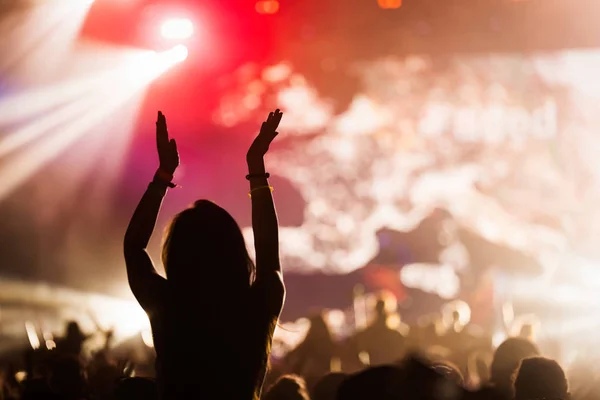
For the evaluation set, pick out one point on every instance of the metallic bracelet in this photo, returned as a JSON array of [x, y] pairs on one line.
[[259, 188]]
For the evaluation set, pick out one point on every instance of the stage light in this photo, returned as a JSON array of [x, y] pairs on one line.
[[178, 53], [389, 4], [177, 28], [31, 146], [267, 6], [31, 330]]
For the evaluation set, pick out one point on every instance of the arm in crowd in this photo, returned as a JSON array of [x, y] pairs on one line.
[[264, 217], [143, 278]]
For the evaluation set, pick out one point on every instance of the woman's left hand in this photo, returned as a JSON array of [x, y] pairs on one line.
[[167, 149]]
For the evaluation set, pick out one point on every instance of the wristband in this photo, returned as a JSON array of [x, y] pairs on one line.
[[164, 178], [266, 175]]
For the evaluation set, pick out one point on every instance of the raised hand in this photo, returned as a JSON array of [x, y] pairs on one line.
[[167, 149], [267, 133]]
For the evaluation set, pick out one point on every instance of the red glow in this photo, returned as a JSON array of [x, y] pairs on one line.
[[267, 7], [389, 4]]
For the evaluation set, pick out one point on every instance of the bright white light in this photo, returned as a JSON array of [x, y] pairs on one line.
[[440, 280], [179, 53], [34, 340], [150, 65], [177, 28], [147, 338], [463, 309]]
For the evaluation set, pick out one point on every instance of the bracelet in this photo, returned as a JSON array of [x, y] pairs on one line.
[[164, 178], [160, 182], [259, 188], [266, 175]]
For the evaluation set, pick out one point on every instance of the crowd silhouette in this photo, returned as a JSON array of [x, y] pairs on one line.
[[214, 315]]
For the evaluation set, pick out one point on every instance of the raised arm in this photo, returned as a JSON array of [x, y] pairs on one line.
[[143, 279], [264, 218]]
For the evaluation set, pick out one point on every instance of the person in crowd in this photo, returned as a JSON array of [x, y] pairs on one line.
[[312, 357], [214, 315], [454, 336], [72, 343], [507, 359], [67, 378], [384, 345], [288, 387], [327, 387], [426, 335], [37, 389], [541, 378], [381, 382], [136, 389], [450, 371]]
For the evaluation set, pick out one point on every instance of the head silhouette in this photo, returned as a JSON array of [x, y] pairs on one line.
[[319, 330], [136, 388], [288, 387], [205, 244], [541, 378], [380, 308], [73, 331], [327, 387], [450, 371], [507, 359]]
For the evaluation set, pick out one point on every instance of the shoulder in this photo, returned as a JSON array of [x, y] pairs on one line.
[[271, 283], [151, 292], [269, 292]]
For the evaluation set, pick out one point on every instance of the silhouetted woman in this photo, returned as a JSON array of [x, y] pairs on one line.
[[213, 317], [312, 358]]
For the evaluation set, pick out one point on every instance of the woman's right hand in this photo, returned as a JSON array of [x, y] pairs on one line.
[[267, 133], [167, 149]]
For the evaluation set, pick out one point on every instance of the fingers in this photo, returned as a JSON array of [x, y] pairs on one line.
[[173, 144], [272, 122], [161, 120], [277, 118], [162, 134]]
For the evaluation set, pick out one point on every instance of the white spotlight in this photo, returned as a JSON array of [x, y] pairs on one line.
[[178, 53], [177, 28]]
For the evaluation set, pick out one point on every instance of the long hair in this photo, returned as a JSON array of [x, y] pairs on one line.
[[204, 245], [318, 338]]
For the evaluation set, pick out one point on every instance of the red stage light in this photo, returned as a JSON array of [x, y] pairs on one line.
[[389, 4], [177, 28], [267, 6]]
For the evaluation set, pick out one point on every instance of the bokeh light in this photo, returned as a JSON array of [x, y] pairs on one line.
[[389, 4], [267, 7], [385, 161]]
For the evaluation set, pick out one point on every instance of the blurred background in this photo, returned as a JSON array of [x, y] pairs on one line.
[[435, 150]]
